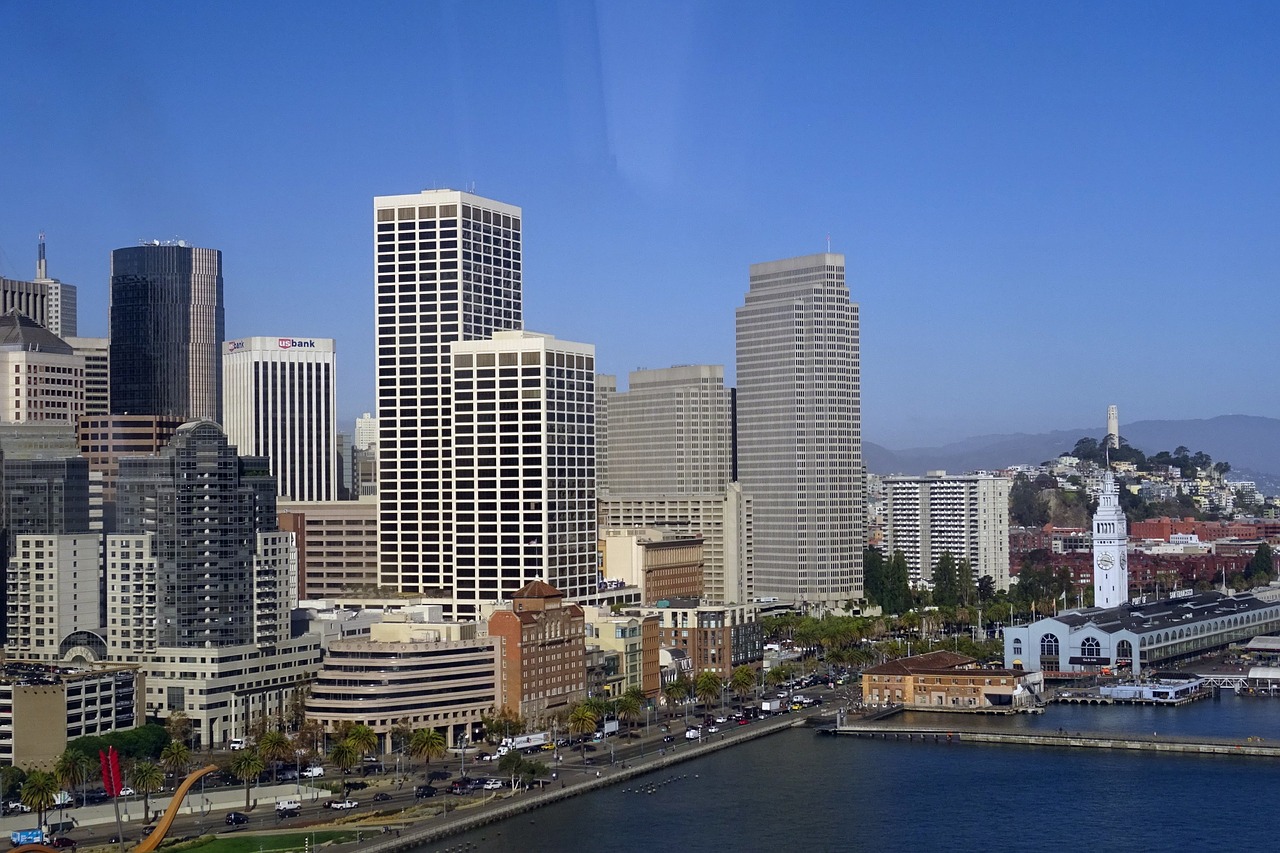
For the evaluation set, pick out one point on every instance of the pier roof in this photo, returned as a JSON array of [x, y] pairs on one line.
[[1163, 614]]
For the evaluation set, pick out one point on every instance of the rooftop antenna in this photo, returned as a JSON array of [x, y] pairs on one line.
[[828, 242], [41, 266]]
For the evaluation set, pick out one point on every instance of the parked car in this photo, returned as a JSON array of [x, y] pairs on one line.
[[236, 743], [493, 785], [668, 738], [126, 791], [237, 818]]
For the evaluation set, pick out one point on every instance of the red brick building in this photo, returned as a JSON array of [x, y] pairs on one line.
[[543, 658]]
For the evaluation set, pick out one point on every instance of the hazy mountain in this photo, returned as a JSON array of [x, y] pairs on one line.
[[1250, 443]]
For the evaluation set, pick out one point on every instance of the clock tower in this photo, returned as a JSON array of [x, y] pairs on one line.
[[1110, 548]]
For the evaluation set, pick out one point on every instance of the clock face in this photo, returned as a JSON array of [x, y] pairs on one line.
[[1106, 560]]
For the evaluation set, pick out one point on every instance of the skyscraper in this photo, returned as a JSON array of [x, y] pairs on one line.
[[46, 300], [167, 329], [448, 269], [800, 429], [280, 401], [524, 467], [966, 516]]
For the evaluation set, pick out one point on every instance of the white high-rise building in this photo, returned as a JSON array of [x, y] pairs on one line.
[[524, 467], [1110, 548], [366, 431], [64, 570], [669, 443], [966, 516], [800, 429], [62, 309], [280, 400], [448, 269], [97, 373]]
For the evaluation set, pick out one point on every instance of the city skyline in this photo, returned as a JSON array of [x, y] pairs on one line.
[[1026, 196]]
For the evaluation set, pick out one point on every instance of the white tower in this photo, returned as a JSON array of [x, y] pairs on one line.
[[1113, 426], [1110, 548]]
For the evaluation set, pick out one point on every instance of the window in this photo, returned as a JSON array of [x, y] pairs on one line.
[[1049, 646], [1090, 647]]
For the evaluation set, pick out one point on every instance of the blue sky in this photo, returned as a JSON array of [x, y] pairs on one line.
[[1045, 208]]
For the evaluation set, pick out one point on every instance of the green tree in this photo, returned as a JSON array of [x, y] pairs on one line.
[[274, 747], [986, 588], [38, 792], [178, 726], [582, 722], [946, 583], [676, 691], [72, 769], [247, 766], [707, 687], [628, 708], [344, 755], [1026, 509], [147, 778], [897, 587], [965, 582], [1262, 567], [428, 744], [873, 574], [742, 681], [363, 739], [176, 757]]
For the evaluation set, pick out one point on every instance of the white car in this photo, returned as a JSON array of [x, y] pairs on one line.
[[128, 792], [19, 806], [692, 734], [493, 785], [313, 772]]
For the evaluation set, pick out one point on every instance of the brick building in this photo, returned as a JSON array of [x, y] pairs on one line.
[[543, 663]]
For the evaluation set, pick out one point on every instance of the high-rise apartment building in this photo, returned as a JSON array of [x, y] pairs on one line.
[[448, 269], [280, 401], [167, 329], [800, 429], [966, 516], [524, 493], [54, 589], [669, 442], [47, 375], [366, 432]]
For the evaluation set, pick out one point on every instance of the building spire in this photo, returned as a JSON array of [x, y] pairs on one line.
[[42, 269]]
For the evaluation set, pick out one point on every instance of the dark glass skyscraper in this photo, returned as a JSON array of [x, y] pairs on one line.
[[167, 328]]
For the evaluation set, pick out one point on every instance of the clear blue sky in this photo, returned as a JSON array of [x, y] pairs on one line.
[[1046, 208]]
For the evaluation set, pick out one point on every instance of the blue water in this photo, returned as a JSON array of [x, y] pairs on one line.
[[801, 792]]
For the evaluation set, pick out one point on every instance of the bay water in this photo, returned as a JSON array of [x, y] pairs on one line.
[[799, 791]]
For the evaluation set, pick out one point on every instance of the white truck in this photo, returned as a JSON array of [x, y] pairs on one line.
[[524, 742], [771, 706], [289, 806]]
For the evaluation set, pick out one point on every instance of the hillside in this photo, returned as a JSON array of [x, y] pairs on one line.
[[1249, 442]]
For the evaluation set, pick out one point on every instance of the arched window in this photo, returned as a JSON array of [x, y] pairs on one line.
[[1090, 647], [1017, 645], [1124, 649], [1049, 646]]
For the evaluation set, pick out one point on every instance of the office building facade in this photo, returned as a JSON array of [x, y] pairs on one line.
[[167, 328], [799, 429], [448, 269], [524, 499], [280, 401], [96, 353], [48, 376]]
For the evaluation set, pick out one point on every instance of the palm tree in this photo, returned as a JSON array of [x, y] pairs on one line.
[[274, 747], [627, 707], [708, 686], [344, 755], [147, 778], [247, 766], [743, 681], [73, 769], [175, 757], [38, 792], [428, 744], [582, 721], [676, 692], [364, 739]]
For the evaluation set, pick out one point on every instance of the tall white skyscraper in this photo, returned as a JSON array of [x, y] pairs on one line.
[[524, 467], [366, 432], [448, 269], [800, 429], [966, 516], [280, 400]]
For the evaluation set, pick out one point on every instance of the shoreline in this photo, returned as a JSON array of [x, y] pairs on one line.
[[414, 837]]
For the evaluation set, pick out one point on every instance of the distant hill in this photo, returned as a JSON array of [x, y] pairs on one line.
[[1250, 443]]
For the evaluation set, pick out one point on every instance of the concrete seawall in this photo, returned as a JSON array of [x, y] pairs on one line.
[[1253, 747], [454, 823]]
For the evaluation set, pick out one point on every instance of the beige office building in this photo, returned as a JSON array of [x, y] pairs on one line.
[[337, 545]]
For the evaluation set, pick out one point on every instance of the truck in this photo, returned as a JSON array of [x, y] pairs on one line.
[[771, 706], [289, 806], [525, 741], [26, 836]]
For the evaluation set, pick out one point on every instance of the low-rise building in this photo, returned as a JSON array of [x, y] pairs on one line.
[[663, 565], [635, 639], [716, 637], [947, 681]]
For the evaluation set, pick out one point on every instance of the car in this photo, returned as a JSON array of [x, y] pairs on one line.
[[486, 756], [722, 719], [381, 797], [289, 806], [713, 729], [126, 791], [18, 806], [62, 841], [236, 743], [424, 791], [148, 829], [692, 734], [742, 721], [313, 773], [668, 738], [118, 839], [97, 797], [589, 748], [357, 786], [236, 819], [493, 785]]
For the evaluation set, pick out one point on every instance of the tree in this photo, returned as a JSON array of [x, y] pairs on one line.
[[742, 681], [582, 721], [1025, 507], [147, 778], [247, 766], [627, 707], [427, 744], [1262, 567], [73, 769], [344, 755], [363, 739], [897, 587], [38, 792], [946, 583], [175, 757], [676, 692], [965, 582], [708, 686], [873, 574], [986, 588], [274, 747], [178, 725]]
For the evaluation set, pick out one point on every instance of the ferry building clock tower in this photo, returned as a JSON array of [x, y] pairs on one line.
[[1110, 548]]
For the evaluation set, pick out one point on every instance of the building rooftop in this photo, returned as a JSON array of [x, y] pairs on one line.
[[1164, 614], [20, 332]]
